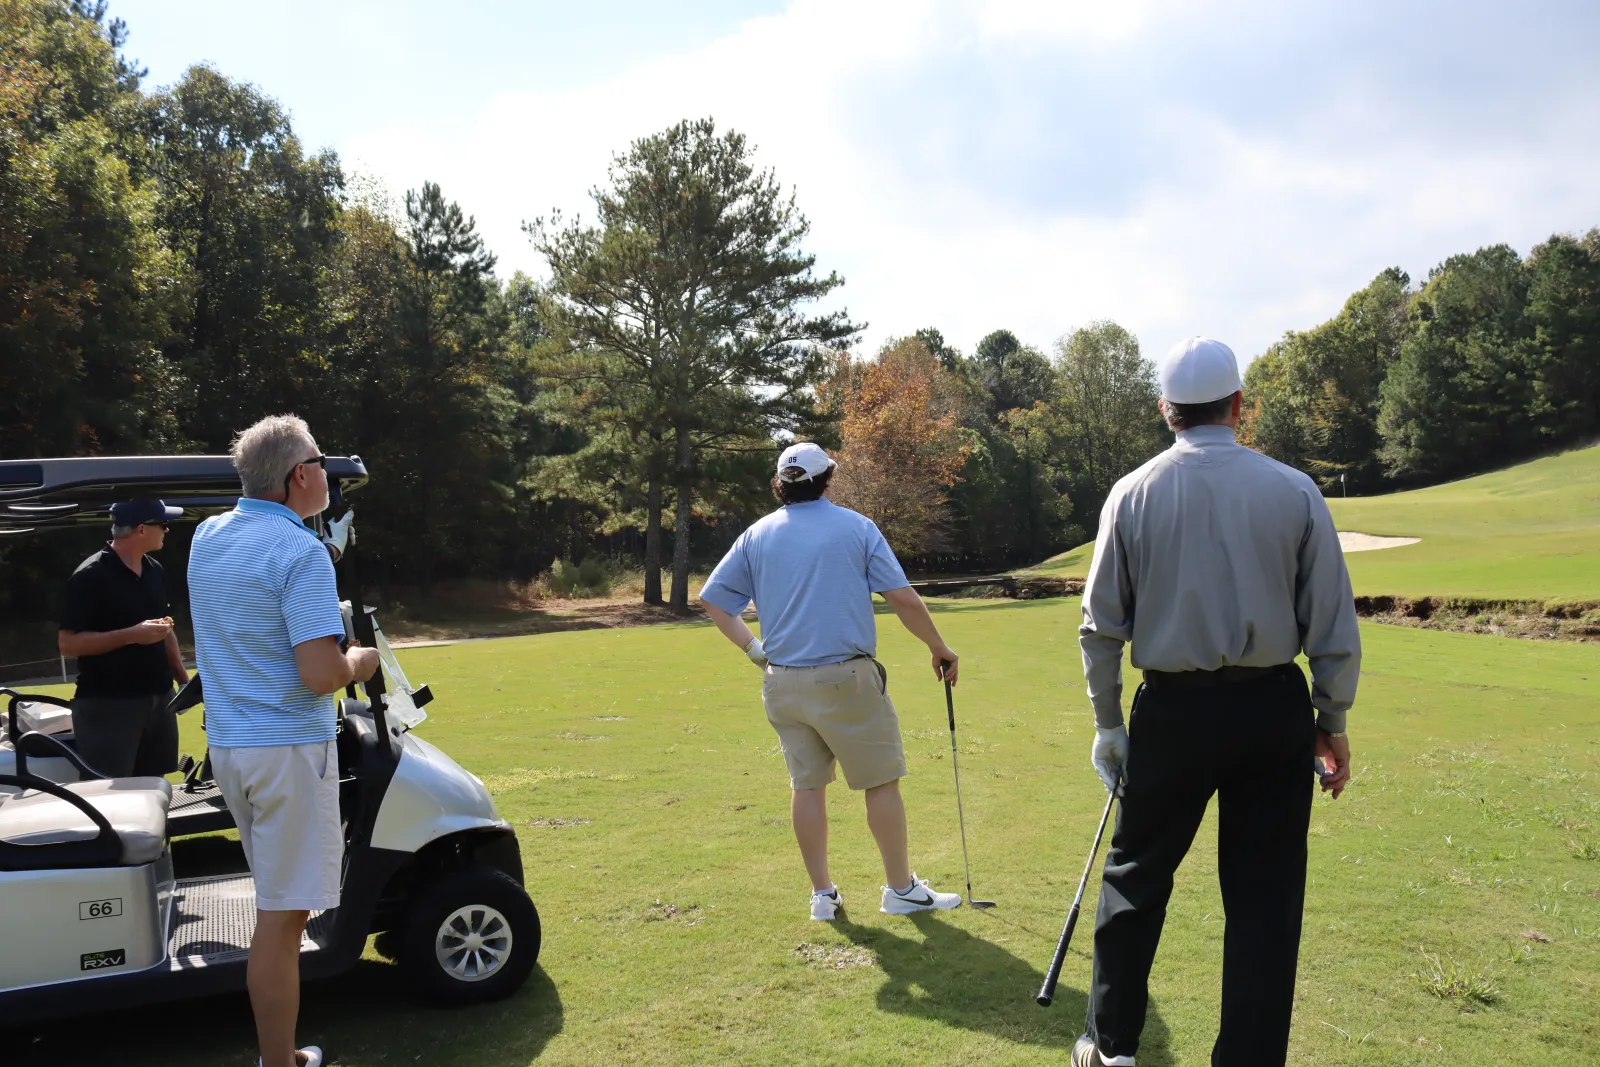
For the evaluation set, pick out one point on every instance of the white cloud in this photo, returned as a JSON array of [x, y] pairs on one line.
[[1177, 209]]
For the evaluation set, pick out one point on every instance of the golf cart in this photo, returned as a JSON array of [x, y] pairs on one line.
[[93, 915]]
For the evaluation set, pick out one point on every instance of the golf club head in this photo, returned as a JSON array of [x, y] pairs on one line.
[[979, 903]]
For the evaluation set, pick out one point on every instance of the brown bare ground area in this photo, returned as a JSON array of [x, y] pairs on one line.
[[466, 610], [1532, 619]]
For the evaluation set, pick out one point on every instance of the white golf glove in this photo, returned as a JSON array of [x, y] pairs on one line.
[[337, 534], [756, 653], [1109, 755]]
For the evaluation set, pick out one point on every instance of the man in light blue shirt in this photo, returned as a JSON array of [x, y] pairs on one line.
[[267, 628], [811, 567]]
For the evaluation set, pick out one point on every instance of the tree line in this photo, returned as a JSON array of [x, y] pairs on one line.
[[1493, 359], [175, 264]]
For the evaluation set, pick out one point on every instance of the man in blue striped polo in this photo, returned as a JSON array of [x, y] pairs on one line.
[[267, 628]]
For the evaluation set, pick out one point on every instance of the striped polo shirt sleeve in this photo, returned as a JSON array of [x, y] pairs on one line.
[[311, 597]]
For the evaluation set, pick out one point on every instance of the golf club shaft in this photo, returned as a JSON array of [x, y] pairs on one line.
[[1047, 991], [950, 709]]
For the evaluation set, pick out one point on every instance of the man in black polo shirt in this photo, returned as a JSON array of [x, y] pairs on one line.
[[114, 620]]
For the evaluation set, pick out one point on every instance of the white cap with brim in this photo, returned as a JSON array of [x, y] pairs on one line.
[[803, 461], [1199, 371]]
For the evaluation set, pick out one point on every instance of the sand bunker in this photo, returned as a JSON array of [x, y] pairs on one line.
[[1360, 542]]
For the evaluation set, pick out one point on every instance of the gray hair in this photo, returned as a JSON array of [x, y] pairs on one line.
[[268, 451], [119, 532]]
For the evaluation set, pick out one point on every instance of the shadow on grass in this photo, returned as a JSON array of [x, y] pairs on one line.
[[953, 977], [365, 1017]]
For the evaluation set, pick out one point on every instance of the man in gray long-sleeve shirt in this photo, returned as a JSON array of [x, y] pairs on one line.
[[1219, 565]]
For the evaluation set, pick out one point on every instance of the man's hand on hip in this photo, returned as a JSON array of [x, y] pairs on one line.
[[945, 663], [1109, 755], [756, 653], [1333, 750]]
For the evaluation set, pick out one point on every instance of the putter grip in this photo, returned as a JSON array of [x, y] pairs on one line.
[[949, 698], [1047, 991]]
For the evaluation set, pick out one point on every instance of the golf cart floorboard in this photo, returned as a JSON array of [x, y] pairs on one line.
[[201, 812], [213, 919]]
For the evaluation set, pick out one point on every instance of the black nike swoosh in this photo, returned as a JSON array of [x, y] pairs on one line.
[[924, 901]]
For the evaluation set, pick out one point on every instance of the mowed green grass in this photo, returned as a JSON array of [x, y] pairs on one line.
[[1529, 532], [651, 801], [1073, 563]]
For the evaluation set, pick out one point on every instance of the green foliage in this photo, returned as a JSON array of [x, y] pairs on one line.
[[1564, 311], [594, 577], [81, 280], [1106, 404], [248, 224], [679, 324], [1492, 360], [1457, 397], [175, 266], [1314, 397], [1052, 438]]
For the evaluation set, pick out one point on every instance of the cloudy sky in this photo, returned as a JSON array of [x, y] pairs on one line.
[[1232, 168]]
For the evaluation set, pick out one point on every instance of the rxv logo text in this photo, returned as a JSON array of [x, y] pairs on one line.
[[94, 961]]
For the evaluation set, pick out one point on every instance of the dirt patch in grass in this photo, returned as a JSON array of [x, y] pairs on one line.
[[835, 957], [531, 778], [556, 823], [1553, 620], [459, 611], [661, 911]]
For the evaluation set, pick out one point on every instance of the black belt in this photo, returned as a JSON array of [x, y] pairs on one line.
[[1179, 680]]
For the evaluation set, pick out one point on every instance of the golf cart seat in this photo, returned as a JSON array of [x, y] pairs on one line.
[[119, 822]]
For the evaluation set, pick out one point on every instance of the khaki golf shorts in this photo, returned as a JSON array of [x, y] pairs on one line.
[[285, 799], [838, 711]]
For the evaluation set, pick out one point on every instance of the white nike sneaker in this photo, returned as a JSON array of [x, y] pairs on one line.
[[310, 1056], [827, 904], [918, 898]]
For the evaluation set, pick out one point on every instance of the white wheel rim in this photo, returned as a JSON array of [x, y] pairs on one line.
[[473, 943]]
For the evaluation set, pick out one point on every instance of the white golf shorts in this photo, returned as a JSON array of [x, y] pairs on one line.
[[285, 799]]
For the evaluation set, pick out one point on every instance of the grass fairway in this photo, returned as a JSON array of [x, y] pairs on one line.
[[1073, 563], [1530, 532], [653, 811]]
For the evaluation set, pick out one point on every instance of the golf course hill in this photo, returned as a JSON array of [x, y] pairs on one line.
[[1528, 533]]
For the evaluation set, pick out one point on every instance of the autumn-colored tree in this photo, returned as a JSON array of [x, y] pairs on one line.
[[903, 443]]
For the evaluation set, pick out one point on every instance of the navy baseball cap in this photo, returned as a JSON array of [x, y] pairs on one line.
[[140, 512]]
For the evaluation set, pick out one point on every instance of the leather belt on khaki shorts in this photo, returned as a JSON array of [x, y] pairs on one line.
[[1179, 680]]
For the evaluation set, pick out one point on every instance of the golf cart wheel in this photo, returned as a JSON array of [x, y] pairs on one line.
[[471, 936]]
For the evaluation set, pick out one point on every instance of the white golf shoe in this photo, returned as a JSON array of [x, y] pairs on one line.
[[917, 898], [310, 1056], [826, 904]]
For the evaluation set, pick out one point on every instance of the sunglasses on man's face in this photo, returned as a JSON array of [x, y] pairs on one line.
[[321, 461], [162, 526]]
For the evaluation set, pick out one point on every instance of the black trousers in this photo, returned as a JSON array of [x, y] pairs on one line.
[[127, 737], [1250, 743]]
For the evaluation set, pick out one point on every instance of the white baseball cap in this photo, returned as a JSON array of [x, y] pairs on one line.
[[806, 455], [1199, 370]]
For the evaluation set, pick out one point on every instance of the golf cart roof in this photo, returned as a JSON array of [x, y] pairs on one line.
[[53, 493]]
